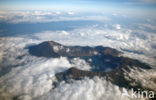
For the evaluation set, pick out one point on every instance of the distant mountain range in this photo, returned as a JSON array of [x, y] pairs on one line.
[[99, 58]]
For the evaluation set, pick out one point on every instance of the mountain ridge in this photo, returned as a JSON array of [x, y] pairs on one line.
[[99, 58]]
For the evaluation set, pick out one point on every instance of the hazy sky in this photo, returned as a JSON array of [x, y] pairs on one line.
[[131, 7], [76, 4]]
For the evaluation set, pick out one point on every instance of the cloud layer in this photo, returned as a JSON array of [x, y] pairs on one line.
[[32, 77], [135, 43], [87, 89], [46, 16]]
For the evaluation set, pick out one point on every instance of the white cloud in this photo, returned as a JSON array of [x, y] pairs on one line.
[[70, 13], [80, 64], [65, 33], [58, 12], [115, 14], [32, 77], [136, 41], [148, 26], [118, 26], [1, 56], [87, 89], [143, 76], [45, 16]]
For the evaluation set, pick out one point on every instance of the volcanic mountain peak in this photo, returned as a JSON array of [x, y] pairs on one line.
[[53, 49], [99, 58]]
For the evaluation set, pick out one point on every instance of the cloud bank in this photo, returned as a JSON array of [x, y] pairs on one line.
[[32, 77], [135, 43], [46, 16], [87, 89]]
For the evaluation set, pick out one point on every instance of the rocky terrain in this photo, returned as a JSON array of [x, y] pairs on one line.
[[99, 58]]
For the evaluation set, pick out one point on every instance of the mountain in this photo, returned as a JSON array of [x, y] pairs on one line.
[[99, 58], [53, 49]]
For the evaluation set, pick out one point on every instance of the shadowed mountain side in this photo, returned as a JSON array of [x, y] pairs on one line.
[[99, 57], [116, 76], [74, 73], [53, 49]]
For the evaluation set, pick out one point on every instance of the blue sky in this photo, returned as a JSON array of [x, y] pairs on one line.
[[75, 4]]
